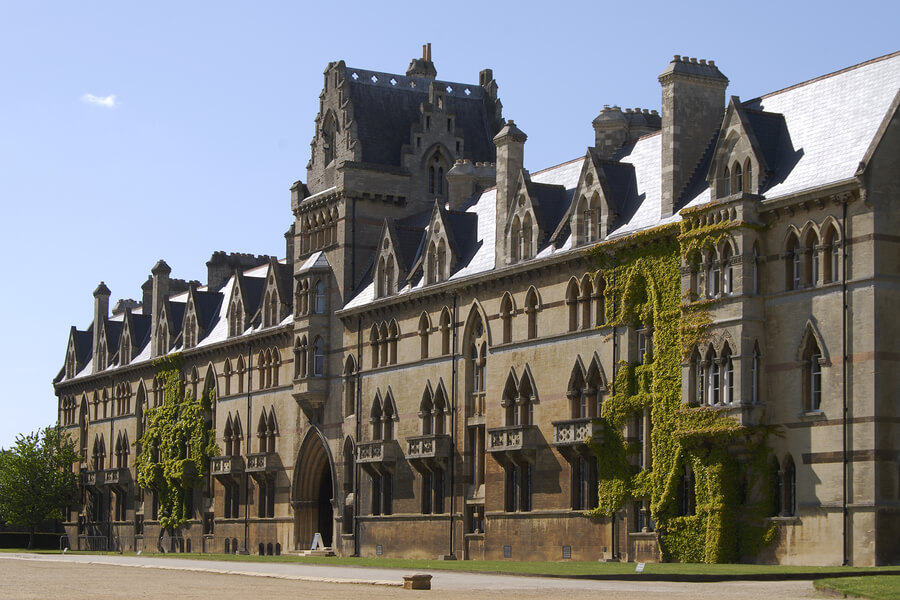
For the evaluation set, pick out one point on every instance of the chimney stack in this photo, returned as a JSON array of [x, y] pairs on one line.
[[693, 103], [147, 296], [422, 67], [160, 273], [101, 313], [510, 144]]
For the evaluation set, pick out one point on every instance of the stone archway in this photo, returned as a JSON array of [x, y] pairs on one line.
[[313, 492]]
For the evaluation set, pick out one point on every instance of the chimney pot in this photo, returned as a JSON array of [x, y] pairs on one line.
[[677, 58]]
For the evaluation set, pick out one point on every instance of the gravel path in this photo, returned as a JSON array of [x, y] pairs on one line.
[[77, 577]]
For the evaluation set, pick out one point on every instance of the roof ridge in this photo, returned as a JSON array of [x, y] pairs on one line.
[[828, 75], [544, 170]]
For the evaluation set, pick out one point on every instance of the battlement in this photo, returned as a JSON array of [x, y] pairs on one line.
[[222, 265], [693, 67]]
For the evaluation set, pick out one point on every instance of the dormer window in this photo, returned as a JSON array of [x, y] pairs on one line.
[[236, 319]]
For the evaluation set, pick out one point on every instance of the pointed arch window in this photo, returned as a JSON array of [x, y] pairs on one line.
[[726, 181], [350, 386], [424, 328], [737, 178], [812, 375], [792, 263], [515, 236], [832, 263], [531, 312], [476, 369], [506, 315], [436, 175], [727, 376], [754, 376], [393, 337], [748, 176], [445, 331], [811, 259], [527, 243]]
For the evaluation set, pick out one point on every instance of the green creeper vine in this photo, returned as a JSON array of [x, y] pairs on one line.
[[643, 289], [176, 445]]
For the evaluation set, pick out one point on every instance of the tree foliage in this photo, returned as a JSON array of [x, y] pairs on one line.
[[176, 445], [36, 479]]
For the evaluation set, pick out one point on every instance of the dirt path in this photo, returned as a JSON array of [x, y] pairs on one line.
[[47, 578]]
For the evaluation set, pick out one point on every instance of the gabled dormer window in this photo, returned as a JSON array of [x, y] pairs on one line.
[[385, 273], [236, 318]]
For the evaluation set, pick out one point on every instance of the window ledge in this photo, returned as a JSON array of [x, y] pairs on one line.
[[789, 520], [811, 415]]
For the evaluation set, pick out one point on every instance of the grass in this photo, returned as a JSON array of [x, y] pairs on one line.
[[878, 587], [559, 569]]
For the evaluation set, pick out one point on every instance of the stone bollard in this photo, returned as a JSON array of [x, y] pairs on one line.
[[419, 581]]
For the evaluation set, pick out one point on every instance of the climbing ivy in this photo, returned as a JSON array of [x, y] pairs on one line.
[[643, 289], [176, 445]]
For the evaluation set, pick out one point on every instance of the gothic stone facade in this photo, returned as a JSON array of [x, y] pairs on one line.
[[419, 376]]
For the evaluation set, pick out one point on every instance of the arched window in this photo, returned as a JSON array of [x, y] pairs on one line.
[[737, 178], [713, 274], [439, 413], [599, 301], [320, 297], [384, 343], [376, 417], [387, 418], [585, 300], [811, 256], [592, 219], [789, 488], [726, 180], [527, 242], [508, 402], [713, 394], [727, 376], [441, 274], [687, 496], [389, 287], [349, 386], [426, 408], [832, 263], [754, 270], [748, 176], [436, 175], [424, 328], [812, 375], [515, 236], [301, 358], [578, 400], [476, 368], [393, 336], [506, 315], [374, 343], [240, 374], [728, 270], [445, 331], [698, 378], [319, 358], [531, 310], [792, 263]]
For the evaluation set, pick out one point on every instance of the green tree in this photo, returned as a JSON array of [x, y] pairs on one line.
[[176, 446], [36, 479]]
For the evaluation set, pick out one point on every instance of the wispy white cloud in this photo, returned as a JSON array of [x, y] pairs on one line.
[[104, 101]]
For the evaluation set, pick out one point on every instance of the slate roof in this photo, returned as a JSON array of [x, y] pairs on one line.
[[384, 115], [207, 305]]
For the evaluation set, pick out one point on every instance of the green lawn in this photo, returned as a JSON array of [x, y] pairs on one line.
[[563, 569], [878, 587]]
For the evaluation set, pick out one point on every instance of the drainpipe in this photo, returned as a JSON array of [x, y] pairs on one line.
[[844, 359], [358, 400], [614, 542], [452, 460], [248, 435]]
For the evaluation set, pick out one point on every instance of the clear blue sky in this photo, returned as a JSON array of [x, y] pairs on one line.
[[213, 113]]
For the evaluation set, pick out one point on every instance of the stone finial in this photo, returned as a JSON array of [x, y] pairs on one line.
[[161, 267], [101, 290]]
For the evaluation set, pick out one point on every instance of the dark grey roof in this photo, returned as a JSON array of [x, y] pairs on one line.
[[175, 312], [385, 115], [113, 334], [550, 204], [251, 292], [775, 145], [462, 230], [140, 331], [409, 241], [206, 305], [84, 345]]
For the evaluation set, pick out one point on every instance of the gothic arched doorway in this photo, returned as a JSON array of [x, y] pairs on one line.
[[313, 492]]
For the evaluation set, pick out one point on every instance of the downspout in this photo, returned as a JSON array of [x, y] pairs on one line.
[[844, 359], [353, 271], [452, 459], [358, 400], [614, 542], [249, 429]]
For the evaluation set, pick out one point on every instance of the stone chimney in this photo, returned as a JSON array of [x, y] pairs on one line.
[[101, 313], [160, 273], [422, 67], [461, 183], [510, 144], [147, 296], [610, 130], [221, 266], [693, 103]]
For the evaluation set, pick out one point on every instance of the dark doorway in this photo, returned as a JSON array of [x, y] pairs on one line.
[[326, 518]]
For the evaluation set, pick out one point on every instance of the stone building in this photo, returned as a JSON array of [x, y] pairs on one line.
[[425, 372]]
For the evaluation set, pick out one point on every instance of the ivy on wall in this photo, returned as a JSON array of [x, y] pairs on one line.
[[733, 495], [176, 445]]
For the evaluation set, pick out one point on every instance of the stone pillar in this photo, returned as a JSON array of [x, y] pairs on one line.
[[510, 144], [160, 293]]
